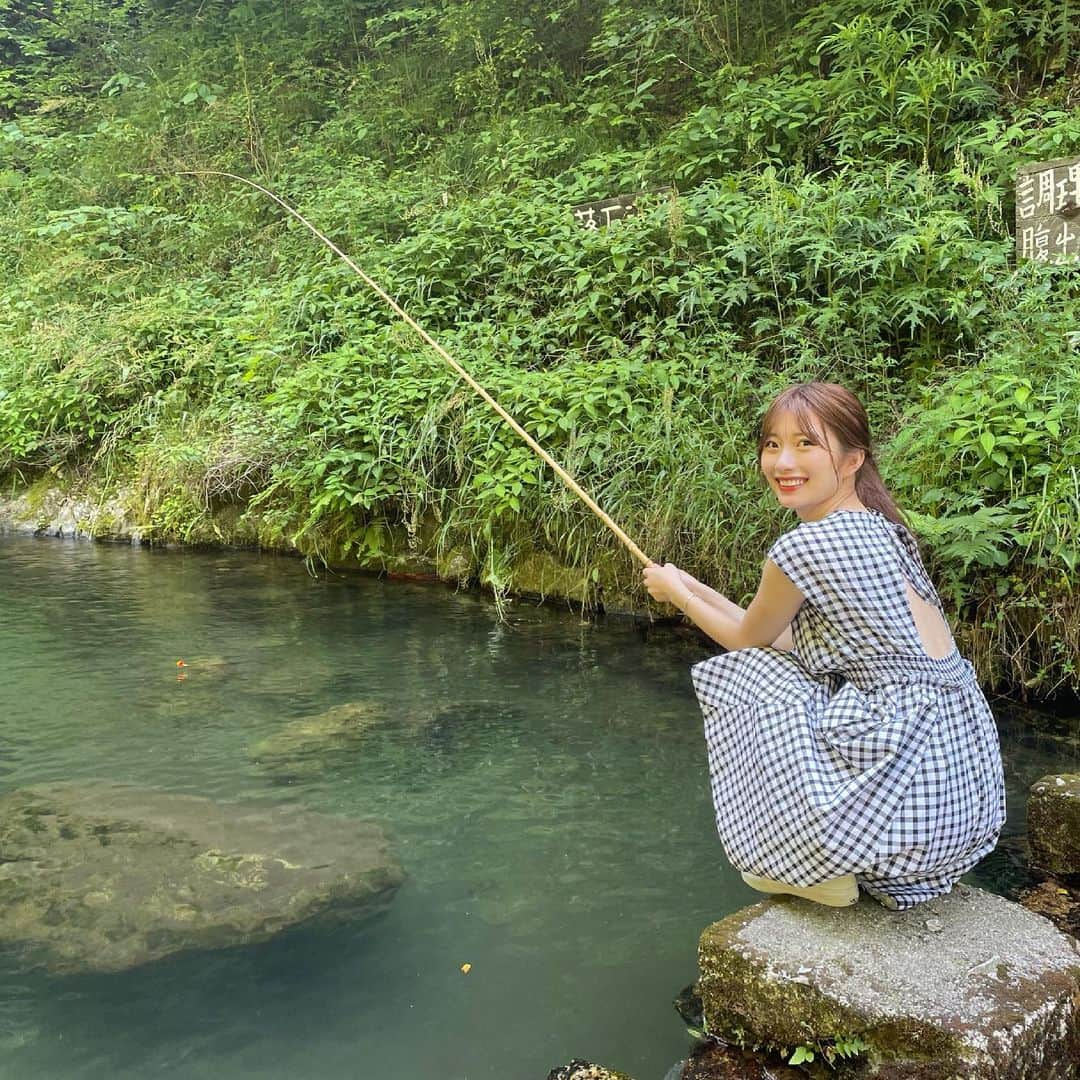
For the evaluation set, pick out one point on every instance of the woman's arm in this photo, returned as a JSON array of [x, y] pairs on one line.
[[766, 621], [718, 600]]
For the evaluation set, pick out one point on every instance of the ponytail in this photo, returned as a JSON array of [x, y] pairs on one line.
[[873, 493]]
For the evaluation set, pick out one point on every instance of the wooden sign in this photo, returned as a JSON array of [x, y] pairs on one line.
[[1048, 210], [593, 215]]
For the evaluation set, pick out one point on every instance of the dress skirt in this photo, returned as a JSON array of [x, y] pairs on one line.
[[890, 771]]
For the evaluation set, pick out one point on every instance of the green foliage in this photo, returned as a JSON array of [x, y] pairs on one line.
[[842, 1048], [829, 197], [988, 461]]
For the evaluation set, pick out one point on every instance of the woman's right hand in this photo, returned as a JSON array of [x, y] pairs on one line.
[[665, 583]]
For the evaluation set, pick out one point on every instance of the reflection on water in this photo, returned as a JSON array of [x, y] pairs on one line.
[[543, 781]]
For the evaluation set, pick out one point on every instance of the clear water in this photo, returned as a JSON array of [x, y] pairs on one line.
[[543, 781]]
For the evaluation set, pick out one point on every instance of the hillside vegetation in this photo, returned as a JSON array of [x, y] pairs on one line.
[[831, 198]]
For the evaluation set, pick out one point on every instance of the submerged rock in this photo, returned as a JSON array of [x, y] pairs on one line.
[[103, 877], [584, 1070], [1053, 824], [304, 746], [968, 985], [443, 737]]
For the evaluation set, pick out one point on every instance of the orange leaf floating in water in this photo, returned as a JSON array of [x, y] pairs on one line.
[[466, 968]]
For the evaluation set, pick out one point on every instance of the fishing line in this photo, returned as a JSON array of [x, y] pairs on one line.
[[559, 471]]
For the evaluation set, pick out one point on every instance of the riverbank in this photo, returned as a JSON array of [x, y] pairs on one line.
[[49, 509], [542, 779], [421, 553]]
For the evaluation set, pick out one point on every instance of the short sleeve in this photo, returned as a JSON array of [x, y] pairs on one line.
[[795, 553]]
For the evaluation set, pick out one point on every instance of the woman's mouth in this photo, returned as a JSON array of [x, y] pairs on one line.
[[789, 483]]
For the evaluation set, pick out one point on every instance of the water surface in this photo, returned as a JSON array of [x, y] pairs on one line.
[[542, 779]]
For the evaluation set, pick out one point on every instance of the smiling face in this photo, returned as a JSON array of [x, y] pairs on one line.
[[803, 472]]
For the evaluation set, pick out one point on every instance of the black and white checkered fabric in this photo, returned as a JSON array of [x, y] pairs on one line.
[[856, 752]]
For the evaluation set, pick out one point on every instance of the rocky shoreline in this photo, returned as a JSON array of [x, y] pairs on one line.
[[51, 509]]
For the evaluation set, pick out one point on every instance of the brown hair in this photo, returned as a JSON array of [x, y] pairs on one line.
[[817, 406]]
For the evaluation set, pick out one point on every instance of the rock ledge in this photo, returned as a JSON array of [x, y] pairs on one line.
[[968, 985]]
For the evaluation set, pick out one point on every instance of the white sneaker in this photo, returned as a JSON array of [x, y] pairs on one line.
[[836, 892]]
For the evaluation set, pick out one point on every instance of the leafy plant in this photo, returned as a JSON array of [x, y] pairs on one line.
[[825, 192]]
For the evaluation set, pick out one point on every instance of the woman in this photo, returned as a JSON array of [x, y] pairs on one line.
[[849, 743]]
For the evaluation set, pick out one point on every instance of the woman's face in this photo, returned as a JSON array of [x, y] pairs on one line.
[[804, 475]]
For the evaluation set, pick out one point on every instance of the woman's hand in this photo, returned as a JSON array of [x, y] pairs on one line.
[[665, 583]]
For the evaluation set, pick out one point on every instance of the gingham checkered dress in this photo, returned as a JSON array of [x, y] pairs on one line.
[[856, 752]]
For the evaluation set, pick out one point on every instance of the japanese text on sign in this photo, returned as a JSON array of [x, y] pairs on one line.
[[1047, 205], [593, 215]]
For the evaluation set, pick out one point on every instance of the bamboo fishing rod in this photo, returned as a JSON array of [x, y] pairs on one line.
[[533, 445]]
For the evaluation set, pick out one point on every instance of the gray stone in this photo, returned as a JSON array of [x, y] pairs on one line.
[[990, 994], [1053, 822], [103, 877], [310, 744], [53, 511]]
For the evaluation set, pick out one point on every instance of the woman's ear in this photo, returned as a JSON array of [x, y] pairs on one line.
[[854, 461]]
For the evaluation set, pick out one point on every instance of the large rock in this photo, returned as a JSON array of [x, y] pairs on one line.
[[1053, 825], [968, 985], [102, 877], [52, 511]]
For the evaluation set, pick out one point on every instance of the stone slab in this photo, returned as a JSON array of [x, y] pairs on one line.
[[968, 985], [1053, 825], [104, 877]]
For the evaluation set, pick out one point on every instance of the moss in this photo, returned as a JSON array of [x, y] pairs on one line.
[[455, 565], [104, 525], [585, 1070], [39, 494], [539, 574], [745, 1006], [1053, 820]]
